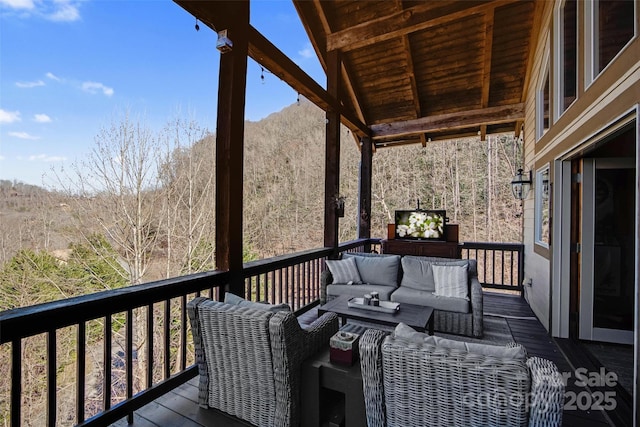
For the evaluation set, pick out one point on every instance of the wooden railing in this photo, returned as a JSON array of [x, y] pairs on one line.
[[500, 265], [149, 322], [153, 314]]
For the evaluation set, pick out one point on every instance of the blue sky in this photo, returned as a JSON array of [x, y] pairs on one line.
[[70, 67]]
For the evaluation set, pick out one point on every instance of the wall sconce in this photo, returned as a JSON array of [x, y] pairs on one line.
[[339, 200], [521, 184], [545, 185]]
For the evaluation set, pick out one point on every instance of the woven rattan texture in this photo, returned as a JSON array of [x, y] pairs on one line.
[[417, 384], [249, 360]]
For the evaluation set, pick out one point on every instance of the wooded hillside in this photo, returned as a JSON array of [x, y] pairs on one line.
[[284, 184]]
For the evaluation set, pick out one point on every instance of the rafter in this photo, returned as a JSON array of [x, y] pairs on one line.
[[346, 75], [407, 21], [412, 77], [443, 122]]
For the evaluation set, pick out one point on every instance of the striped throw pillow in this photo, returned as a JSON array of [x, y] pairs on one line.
[[344, 270], [451, 281]]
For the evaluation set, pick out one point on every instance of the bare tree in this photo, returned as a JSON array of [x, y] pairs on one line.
[[117, 188]]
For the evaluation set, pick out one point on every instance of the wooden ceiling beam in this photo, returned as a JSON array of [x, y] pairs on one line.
[[215, 15], [270, 57], [444, 122], [407, 21]]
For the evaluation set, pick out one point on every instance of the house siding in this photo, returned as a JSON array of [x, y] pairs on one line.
[[612, 95]]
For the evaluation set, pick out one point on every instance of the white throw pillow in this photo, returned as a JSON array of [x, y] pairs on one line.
[[451, 281], [344, 270]]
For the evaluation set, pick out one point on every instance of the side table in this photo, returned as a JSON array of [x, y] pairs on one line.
[[319, 376]]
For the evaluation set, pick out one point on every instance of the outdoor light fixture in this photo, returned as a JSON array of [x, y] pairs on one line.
[[224, 44], [339, 204], [545, 185], [521, 184]]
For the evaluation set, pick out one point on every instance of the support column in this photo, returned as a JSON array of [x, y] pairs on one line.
[[230, 146], [364, 189], [332, 155]]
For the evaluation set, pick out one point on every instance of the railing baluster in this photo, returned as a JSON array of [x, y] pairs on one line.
[[107, 363], [183, 332], [150, 345], [16, 382], [287, 287], [51, 378], [129, 360], [167, 339], [280, 285], [81, 371], [298, 280], [273, 287], [493, 267]]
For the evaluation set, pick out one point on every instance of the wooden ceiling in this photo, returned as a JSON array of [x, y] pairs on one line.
[[414, 71]]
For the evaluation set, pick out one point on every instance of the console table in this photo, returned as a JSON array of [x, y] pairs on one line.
[[421, 248]]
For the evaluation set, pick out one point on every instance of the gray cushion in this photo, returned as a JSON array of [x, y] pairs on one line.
[[377, 270], [405, 332], [416, 297], [344, 270], [337, 289], [417, 274], [233, 299]]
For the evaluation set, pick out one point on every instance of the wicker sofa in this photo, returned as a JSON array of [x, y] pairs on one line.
[[410, 382], [249, 359], [412, 283]]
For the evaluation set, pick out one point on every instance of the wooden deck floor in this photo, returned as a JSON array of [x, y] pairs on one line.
[[180, 407]]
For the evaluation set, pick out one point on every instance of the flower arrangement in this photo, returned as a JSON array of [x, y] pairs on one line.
[[421, 225]]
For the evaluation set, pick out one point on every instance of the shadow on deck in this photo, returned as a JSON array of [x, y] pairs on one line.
[[180, 406]]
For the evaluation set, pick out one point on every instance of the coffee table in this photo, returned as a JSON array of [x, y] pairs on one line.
[[418, 317]]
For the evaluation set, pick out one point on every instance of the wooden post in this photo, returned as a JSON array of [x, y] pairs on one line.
[[364, 202], [230, 146], [332, 156]]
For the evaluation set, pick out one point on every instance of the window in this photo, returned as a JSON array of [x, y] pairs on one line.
[[567, 54], [611, 24], [542, 195], [542, 105]]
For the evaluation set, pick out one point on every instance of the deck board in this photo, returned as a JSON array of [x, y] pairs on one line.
[[180, 408]]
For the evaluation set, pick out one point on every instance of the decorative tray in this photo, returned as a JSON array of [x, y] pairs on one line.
[[384, 307]]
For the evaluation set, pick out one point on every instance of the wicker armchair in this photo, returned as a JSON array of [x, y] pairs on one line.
[[417, 384], [249, 360]]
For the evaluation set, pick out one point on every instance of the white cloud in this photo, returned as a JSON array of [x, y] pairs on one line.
[[1, 158], [18, 4], [28, 85], [53, 77], [64, 11], [46, 158], [42, 118], [307, 52], [9, 116], [23, 135], [95, 87], [56, 10]]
